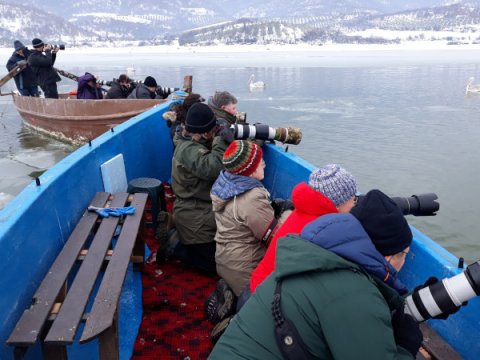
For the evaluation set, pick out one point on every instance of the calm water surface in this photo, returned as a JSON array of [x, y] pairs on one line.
[[398, 120]]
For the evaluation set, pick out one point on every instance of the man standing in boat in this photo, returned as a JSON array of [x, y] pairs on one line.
[[41, 61], [25, 80]]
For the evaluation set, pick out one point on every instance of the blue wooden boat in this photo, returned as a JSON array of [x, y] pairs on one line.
[[35, 225]]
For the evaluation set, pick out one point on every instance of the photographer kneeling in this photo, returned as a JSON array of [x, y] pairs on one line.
[[333, 292]]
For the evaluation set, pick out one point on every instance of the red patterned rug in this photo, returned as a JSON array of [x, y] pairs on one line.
[[173, 324]]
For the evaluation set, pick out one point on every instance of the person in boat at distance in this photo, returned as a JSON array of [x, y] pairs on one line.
[[337, 285], [88, 88], [25, 80], [41, 62], [120, 88], [146, 90]]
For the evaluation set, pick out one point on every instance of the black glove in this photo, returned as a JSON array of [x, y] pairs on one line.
[[406, 332], [225, 133], [280, 205], [433, 280]]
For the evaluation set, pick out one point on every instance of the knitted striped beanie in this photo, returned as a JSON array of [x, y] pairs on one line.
[[334, 182], [242, 157]]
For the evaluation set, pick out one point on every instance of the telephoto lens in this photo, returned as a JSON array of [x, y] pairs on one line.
[[417, 205], [444, 296], [265, 132]]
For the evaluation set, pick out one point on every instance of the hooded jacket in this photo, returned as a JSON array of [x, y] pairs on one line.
[[116, 91], [26, 78], [85, 91], [339, 308], [142, 92], [243, 213], [309, 205], [221, 114]]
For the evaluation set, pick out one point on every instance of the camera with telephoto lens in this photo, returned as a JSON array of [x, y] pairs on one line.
[[444, 296], [417, 205], [265, 132]]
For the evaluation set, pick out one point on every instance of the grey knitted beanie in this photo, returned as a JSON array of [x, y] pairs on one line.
[[334, 182]]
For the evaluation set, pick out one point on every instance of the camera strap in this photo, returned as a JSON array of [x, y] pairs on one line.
[[267, 236], [287, 336]]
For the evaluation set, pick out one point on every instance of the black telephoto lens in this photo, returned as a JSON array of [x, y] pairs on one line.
[[417, 205]]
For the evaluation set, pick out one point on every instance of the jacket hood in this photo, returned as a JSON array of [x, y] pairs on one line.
[[332, 242], [228, 185], [220, 113], [311, 202]]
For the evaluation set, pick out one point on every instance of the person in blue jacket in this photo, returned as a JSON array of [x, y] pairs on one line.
[[337, 283], [25, 80]]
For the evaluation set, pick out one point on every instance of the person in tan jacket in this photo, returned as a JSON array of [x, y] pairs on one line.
[[243, 213]]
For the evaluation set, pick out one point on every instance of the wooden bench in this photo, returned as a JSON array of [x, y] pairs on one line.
[[59, 304]]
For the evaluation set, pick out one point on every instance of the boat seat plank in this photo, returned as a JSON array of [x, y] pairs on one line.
[[101, 316], [64, 328], [32, 321]]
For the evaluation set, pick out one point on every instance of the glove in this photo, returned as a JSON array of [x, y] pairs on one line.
[[433, 280], [22, 62], [225, 133], [406, 332], [119, 211], [280, 205]]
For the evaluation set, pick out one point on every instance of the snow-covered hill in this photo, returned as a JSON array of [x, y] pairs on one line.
[[197, 22]]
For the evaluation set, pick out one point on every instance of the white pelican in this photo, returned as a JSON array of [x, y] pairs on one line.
[[471, 87], [255, 85]]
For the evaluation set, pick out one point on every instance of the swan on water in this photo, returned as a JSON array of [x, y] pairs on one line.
[[255, 85], [471, 87], [131, 71]]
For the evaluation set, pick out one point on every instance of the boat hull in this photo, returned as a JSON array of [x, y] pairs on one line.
[[35, 225], [78, 121]]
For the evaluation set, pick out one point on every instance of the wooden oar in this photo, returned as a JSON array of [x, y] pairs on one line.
[[15, 71]]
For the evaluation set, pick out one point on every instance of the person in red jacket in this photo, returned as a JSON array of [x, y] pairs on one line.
[[330, 189]]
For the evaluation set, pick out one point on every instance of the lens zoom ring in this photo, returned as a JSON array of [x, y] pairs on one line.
[[419, 304], [441, 297]]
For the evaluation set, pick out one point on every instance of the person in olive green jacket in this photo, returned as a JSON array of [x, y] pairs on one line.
[[224, 105], [339, 288], [196, 164]]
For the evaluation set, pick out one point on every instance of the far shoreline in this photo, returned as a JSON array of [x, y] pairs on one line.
[[255, 48]]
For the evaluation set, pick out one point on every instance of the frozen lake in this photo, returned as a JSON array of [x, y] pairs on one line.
[[398, 119]]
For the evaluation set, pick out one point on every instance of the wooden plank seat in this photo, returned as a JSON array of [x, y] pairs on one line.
[[58, 306]]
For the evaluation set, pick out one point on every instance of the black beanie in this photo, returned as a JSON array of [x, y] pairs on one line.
[[36, 43], [150, 82], [200, 119], [18, 45], [384, 223]]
